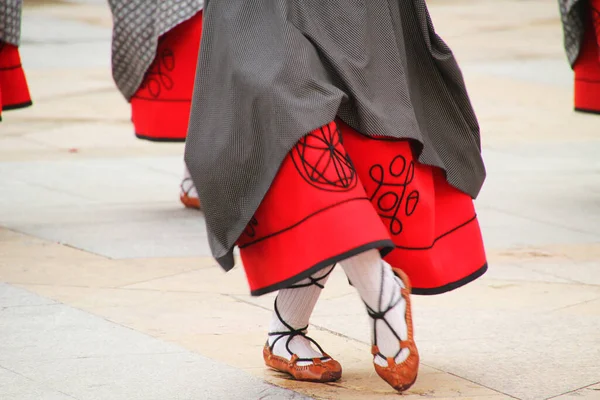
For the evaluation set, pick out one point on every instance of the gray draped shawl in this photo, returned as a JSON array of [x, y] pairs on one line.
[[137, 25], [572, 14], [10, 21], [271, 71]]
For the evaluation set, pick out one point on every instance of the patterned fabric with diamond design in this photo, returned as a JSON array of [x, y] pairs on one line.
[[573, 19], [10, 21]]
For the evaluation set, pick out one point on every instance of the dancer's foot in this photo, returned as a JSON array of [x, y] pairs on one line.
[[387, 298], [288, 348], [401, 368], [188, 193], [291, 351]]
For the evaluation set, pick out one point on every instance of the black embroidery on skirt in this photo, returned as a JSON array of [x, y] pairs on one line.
[[397, 198], [250, 230], [322, 161], [158, 77], [303, 220], [596, 24]]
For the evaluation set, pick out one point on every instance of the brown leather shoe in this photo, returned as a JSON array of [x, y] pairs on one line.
[[401, 376], [319, 371], [190, 202]]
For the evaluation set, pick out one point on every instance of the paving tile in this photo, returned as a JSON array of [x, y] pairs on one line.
[[503, 230], [209, 325], [94, 105], [92, 135], [12, 297], [163, 313], [478, 332], [168, 231], [516, 272], [53, 43], [33, 334], [590, 308], [17, 387], [150, 377], [583, 272], [206, 280], [99, 180], [47, 85], [35, 261], [87, 357], [590, 392]]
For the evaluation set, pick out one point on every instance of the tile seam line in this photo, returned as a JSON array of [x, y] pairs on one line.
[[107, 89], [124, 287], [27, 285], [575, 305], [540, 221], [572, 391], [39, 383]]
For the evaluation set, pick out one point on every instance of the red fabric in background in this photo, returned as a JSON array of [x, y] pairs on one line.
[[587, 66], [160, 109], [14, 92]]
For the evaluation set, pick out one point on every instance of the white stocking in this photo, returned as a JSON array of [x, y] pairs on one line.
[[379, 289]]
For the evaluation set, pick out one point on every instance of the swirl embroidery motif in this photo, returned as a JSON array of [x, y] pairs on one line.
[[250, 230], [158, 76], [395, 197], [596, 22], [322, 161]]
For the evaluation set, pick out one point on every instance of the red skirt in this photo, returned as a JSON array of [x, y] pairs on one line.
[[14, 92], [587, 66], [160, 109], [339, 193]]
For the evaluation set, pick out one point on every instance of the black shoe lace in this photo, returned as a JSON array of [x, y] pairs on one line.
[[183, 190], [380, 315], [291, 333]]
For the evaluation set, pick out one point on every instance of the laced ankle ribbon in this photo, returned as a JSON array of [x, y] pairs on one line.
[[291, 333], [182, 185], [380, 316]]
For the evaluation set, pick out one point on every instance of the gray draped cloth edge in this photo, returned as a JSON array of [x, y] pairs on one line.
[[269, 72], [572, 14], [10, 21], [137, 27]]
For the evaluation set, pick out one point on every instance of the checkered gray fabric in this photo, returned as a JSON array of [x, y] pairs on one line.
[[572, 13], [271, 71], [10, 21], [137, 25]]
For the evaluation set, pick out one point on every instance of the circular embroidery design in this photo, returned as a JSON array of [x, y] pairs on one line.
[[322, 161]]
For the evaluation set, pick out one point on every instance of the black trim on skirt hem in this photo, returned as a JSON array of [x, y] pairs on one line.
[[385, 246], [159, 139], [587, 111], [452, 285], [9, 107]]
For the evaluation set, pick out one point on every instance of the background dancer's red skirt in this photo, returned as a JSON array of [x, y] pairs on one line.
[[332, 200], [160, 109], [587, 66], [14, 92]]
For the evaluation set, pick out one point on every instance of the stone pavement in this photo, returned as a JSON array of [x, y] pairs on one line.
[[110, 293]]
